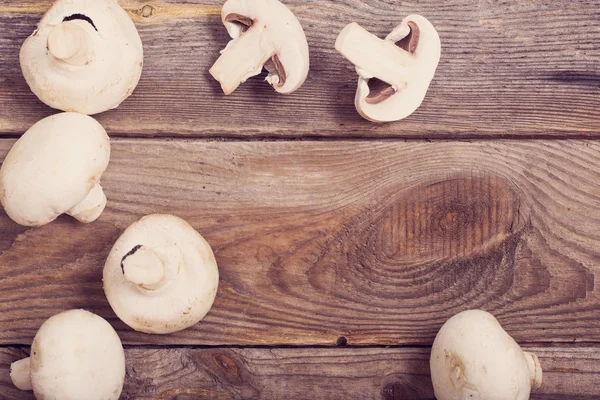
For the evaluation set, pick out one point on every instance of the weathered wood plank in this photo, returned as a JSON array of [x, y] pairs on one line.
[[508, 68], [352, 373], [378, 242]]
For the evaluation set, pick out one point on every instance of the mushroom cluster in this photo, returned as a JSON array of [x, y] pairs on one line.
[[85, 57], [394, 73], [161, 275]]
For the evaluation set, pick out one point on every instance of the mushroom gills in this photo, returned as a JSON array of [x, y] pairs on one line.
[[243, 23], [379, 91], [277, 76]]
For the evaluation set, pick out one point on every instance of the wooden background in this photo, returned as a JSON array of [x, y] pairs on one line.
[[343, 245]]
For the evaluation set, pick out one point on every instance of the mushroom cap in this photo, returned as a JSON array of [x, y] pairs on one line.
[[53, 167], [103, 83], [492, 365], [77, 355], [285, 33], [185, 300]]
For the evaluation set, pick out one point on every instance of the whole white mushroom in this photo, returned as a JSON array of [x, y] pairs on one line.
[[75, 355], [161, 275], [55, 168], [473, 358], [85, 56]]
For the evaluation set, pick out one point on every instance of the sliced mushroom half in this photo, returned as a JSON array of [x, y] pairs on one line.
[[266, 34], [395, 73]]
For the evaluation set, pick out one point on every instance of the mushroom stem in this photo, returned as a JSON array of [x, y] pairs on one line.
[[535, 370], [379, 57], [242, 58], [91, 207], [20, 374], [71, 42], [151, 269]]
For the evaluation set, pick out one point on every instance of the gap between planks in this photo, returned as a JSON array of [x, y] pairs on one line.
[[336, 139], [386, 374]]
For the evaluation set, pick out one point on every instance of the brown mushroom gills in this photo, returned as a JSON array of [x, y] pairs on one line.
[[246, 23], [280, 70], [129, 253], [80, 17], [380, 90], [241, 20]]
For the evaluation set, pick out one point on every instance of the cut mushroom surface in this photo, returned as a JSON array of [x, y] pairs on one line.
[[395, 73], [55, 168], [265, 33], [474, 358], [161, 275], [85, 56], [75, 355]]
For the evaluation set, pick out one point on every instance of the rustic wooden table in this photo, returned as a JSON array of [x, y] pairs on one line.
[[342, 245]]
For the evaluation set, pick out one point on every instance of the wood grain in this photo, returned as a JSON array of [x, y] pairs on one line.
[[376, 242], [509, 68], [351, 373]]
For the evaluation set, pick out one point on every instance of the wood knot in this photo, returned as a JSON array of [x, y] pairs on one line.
[[399, 391], [437, 240], [449, 219], [341, 341], [228, 366], [147, 11]]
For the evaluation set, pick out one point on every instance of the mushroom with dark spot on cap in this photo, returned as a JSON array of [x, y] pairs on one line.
[[85, 56], [161, 275]]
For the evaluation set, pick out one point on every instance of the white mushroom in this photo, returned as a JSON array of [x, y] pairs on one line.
[[54, 169], [474, 358], [394, 74], [265, 33], [161, 275], [75, 355], [85, 56]]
